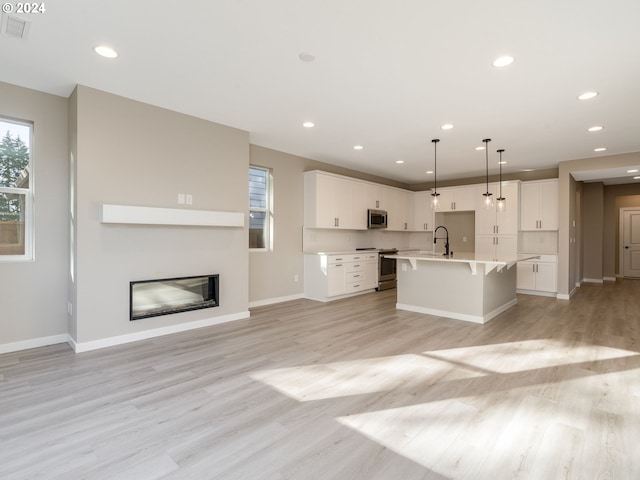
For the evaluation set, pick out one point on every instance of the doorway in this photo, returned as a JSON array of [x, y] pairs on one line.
[[630, 242]]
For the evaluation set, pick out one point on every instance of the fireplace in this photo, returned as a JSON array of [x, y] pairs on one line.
[[151, 298]]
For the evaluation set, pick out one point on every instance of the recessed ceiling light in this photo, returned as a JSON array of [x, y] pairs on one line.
[[308, 124], [479, 148], [599, 149], [503, 61], [633, 170], [447, 126], [306, 57], [399, 162], [528, 169], [595, 128], [429, 172], [502, 162], [105, 51], [636, 178], [358, 147], [587, 95]]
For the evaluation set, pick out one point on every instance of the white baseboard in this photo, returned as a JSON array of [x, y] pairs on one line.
[[592, 280], [271, 301], [458, 316], [33, 343], [80, 347], [536, 292], [609, 279]]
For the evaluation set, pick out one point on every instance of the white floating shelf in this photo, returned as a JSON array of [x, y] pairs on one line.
[[169, 216]]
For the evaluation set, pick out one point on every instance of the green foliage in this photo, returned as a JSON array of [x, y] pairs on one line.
[[14, 159]]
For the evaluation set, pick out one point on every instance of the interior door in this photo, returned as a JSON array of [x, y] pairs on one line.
[[631, 243]]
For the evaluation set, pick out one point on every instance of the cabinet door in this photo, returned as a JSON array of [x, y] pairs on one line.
[[370, 273], [358, 206], [546, 277], [422, 212], [549, 205], [464, 199], [485, 217], [506, 246], [326, 201], [445, 200], [529, 206], [507, 220], [336, 279], [485, 245], [526, 276]]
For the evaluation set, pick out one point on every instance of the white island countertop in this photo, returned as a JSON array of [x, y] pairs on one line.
[[470, 258]]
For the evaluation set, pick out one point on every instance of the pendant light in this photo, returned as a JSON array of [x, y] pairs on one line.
[[488, 201], [501, 204], [435, 202]]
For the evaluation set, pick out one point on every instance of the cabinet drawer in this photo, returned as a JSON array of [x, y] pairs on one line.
[[356, 286], [351, 257], [355, 276], [354, 267]]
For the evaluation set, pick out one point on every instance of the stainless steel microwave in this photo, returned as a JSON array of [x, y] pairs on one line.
[[377, 218]]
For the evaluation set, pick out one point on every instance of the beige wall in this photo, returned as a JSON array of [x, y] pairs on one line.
[[567, 233], [131, 153], [33, 294], [615, 198], [592, 230]]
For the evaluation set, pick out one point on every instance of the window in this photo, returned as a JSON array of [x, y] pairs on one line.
[[16, 190], [260, 214]]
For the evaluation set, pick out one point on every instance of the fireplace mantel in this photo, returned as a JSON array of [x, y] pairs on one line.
[[127, 214]]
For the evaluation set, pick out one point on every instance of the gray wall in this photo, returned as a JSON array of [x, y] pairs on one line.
[[131, 153], [615, 198], [33, 294], [592, 201], [567, 233]]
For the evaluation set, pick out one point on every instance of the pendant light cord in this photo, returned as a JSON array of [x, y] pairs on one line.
[[486, 151], [435, 166]]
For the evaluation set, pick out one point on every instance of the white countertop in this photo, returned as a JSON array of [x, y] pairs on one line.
[[472, 259]]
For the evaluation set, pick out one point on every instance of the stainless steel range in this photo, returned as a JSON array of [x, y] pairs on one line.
[[387, 269]]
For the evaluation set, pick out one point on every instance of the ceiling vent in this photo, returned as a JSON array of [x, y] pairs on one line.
[[15, 27]]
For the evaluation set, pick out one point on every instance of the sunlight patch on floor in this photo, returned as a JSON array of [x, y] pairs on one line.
[[525, 355], [357, 377]]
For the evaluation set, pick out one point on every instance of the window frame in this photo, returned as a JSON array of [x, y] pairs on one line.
[[267, 210], [29, 214]]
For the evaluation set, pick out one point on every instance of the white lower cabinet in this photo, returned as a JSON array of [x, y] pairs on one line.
[[538, 276], [328, 277]]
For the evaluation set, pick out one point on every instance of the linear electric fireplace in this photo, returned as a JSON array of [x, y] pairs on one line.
[[151, 298]]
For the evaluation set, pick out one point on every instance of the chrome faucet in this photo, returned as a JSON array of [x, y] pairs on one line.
[[446, 239]]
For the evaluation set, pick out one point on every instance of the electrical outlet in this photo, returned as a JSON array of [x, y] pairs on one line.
[[70, 308], [181, 199], [189, 199], [464, 239], [296, 278], [404, 267]]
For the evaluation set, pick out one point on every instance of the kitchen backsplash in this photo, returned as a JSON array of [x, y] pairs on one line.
[[538, 242], [321, 240]]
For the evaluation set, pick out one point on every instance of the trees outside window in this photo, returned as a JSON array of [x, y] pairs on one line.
[[16, 190]]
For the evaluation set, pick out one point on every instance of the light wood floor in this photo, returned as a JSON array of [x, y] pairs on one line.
[[352, 389]]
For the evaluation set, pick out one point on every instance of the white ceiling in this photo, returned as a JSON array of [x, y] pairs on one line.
[[387, 74]]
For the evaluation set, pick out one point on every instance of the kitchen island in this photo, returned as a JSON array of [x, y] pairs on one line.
[[468, 286]]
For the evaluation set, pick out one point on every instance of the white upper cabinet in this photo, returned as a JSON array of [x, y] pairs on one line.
[[539, 205], [333, 202], [490, 221], [456, 199], [422, 212], [399, 206]]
